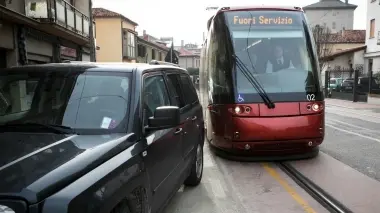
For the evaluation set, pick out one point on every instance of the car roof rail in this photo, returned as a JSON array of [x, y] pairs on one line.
[[155, 62]]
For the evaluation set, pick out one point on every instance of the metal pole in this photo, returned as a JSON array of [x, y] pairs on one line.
[[171, 51], [92, 42]]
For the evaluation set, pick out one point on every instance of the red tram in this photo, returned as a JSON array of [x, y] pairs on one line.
[[260, 81]]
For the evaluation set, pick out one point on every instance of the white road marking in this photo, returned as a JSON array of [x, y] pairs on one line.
[[353, 133]]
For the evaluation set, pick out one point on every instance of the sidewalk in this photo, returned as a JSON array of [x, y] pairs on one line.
[[350, 104]]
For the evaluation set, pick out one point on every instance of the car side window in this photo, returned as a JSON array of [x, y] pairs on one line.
[[188, 88], [173, 80], [154, 94]]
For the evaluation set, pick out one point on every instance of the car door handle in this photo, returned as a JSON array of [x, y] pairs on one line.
[[179, 130], [194, 118]]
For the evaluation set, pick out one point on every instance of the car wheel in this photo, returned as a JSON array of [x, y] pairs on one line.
[[196, 172]]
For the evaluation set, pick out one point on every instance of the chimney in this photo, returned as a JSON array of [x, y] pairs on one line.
[[343, 32], [182, 43], [144, 32], [346, 1]]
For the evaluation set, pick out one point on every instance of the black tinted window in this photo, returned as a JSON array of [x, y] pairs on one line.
[[174, 80], [80, 100], [155, 95], [188, 89]]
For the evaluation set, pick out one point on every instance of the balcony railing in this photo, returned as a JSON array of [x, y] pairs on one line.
[[378, 38], [59, 12]]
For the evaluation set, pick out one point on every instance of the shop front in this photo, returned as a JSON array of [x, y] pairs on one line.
[[38, 51], [6, 44], [68, 54]]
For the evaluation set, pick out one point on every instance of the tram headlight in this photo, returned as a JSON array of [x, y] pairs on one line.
[[237, 110], [315, 107]]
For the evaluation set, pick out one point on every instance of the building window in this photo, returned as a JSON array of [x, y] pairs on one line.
[[131, 45], [334, 25], [141, 50], [153, 54], [372, 29]]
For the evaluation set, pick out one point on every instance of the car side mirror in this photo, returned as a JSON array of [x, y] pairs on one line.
[[164, 117]]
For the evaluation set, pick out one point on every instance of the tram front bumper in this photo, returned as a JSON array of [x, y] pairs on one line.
[[270, 150]]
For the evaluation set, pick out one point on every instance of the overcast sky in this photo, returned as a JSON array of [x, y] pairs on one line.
[[186, 20]]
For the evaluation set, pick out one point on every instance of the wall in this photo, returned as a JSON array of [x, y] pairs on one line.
[[6, 35], [356, 58], [373, 49], [39, 50], [373, 13], [16, 5], [344, 46], [128, 25], [83, 6], [149, 55], [188, 61], [109, 39], [342, 18]]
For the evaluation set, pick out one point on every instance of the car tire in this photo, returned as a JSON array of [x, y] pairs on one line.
[[196, 172], [122, 207]]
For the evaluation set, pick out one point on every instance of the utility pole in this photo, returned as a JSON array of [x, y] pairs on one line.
[[92, 41], [171, 51]]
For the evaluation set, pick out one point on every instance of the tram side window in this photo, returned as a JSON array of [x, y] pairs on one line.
[[219, 63], [175, 86]]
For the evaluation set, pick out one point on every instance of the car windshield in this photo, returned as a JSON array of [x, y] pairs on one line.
[[332, 81], [84, 101]]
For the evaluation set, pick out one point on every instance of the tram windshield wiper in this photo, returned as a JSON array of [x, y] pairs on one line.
[[251, 78]]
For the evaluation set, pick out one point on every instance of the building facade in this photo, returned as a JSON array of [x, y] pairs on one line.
[[150, 50], [372, 55], [346, 51], [188, 59], [116, 37], [333, 14], [45, 31]]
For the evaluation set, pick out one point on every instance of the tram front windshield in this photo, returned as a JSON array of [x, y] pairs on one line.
[[276, 47]]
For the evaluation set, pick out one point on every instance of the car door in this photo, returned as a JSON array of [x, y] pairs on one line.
[[185, 109], [163, 156]]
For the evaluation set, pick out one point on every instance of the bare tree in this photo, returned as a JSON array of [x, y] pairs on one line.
[[322, 37]]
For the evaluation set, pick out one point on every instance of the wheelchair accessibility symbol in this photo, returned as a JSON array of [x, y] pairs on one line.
[[240, 99]]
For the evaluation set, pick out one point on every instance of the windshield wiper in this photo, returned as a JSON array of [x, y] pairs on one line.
[[251, 78], [51, 127]]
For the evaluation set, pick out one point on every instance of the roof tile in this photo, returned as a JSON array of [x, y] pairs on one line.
[[348, 36], [101, 12]]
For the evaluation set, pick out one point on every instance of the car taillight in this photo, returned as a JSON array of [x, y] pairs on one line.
[[315, 107]]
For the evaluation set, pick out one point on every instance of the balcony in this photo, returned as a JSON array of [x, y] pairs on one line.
[[64, 16], [378, 38], [129, 45]]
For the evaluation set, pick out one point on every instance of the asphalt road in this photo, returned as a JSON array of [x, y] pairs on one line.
[[353, 137]]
